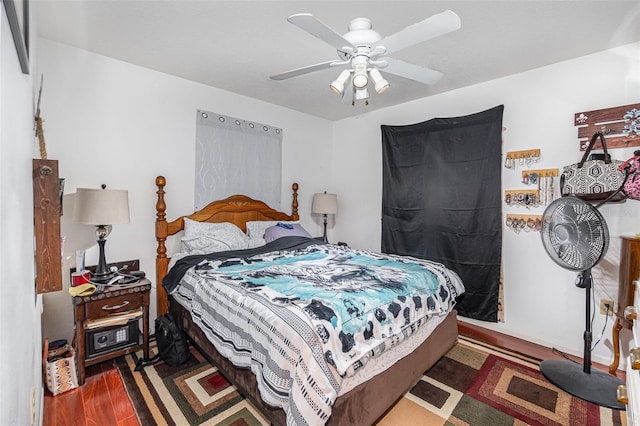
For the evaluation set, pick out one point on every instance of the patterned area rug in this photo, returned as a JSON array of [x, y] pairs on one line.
[[473, 384]]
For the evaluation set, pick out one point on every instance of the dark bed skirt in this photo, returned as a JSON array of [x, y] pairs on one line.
[[364, 404]]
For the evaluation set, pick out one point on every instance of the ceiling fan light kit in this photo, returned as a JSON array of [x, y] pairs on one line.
[[380, 84], [360, 78], [362, 50], [338, 84]]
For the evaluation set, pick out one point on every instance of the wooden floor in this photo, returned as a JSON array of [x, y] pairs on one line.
[[102, 400]]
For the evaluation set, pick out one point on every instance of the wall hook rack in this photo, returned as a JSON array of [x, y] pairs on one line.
[[620, 124], [527, 223]]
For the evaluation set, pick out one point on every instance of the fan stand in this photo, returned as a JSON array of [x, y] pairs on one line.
[[595, 386]]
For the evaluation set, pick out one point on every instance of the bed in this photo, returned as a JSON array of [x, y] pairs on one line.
[[349, 373]]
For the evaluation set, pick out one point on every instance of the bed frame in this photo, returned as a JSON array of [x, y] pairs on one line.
[[364, 404], [237, 209]]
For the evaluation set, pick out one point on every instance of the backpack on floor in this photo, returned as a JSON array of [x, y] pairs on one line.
[[173, 347]]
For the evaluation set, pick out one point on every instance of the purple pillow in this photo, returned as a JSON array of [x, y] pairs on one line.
[[275, 232]]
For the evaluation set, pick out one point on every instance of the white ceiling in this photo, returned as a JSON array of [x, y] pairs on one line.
[[237, 45]]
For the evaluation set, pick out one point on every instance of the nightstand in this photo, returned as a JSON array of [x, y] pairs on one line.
[[110, 342]]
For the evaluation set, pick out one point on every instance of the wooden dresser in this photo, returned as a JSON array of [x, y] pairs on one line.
[[629, 272], [627, 316], [630, 392]]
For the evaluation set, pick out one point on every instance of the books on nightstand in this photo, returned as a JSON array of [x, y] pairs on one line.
[[115, 319]]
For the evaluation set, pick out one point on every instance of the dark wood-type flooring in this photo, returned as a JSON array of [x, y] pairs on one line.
[[102, 400]]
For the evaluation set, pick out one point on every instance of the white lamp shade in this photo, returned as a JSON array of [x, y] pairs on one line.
[[101, 206], [324, 203]]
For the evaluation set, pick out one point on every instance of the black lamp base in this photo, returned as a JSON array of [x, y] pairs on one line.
[[102, 274], [596, 387], [324, 234]]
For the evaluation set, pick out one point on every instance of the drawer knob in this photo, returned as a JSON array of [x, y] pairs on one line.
[[634, 358], [630, 313], [623, 397], [111, 308]]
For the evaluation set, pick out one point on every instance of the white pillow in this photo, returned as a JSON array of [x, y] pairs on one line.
[[256, 229], [206, 237], [203, 244]]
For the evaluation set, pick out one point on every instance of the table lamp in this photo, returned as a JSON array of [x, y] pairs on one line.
[[324, 204], [101, 208]]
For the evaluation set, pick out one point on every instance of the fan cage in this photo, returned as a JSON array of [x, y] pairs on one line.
[[574, 233]]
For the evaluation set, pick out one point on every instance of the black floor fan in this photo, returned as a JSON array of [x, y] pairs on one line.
[[575, 235]]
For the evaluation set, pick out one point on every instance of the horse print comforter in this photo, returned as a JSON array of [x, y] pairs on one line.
[[303, 315]]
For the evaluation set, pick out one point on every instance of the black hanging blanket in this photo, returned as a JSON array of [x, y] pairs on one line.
[[441, 200]]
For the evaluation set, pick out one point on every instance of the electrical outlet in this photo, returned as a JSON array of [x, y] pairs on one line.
[[606, 307]]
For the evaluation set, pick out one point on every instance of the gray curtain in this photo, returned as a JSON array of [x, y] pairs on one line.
[[236, 156], [441, 200]]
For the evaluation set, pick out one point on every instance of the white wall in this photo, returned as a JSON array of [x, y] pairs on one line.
[[20, 307], [122, 125], [541, 302]]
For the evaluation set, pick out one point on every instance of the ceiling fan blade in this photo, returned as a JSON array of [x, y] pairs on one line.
[[431, 27], [310, 24], [304, 70], [411, 71]]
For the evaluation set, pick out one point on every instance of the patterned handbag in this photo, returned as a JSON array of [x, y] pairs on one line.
[[631, 185], [594, 180]]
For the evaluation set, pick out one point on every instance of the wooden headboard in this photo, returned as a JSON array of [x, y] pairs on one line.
[[237, 209]]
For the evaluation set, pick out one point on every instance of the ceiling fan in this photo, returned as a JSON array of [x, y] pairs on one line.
[[363, 52]]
